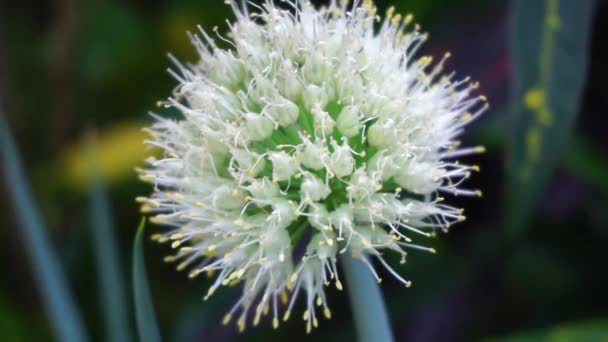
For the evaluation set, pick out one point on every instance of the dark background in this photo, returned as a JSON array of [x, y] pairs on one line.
[[69, 67]]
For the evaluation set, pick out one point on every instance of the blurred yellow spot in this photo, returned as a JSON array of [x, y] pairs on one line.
[[118, 150], [534, 99]]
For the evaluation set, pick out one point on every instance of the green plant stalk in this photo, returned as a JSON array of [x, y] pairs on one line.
[[111, 288], [50, 279], [144, 310], [369, 311]]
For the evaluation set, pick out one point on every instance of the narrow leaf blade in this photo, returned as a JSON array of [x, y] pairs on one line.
[[586, 331], [112, 291], [144, 310], [50, 279], [549, 47]]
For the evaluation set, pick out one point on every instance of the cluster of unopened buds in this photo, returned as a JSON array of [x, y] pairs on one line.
[[315, 133]]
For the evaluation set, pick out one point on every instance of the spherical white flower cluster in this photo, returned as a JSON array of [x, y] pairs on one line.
[[315, 133]]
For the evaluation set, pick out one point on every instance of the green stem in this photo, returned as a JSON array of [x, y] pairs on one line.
[[47, 270], [371, 319]]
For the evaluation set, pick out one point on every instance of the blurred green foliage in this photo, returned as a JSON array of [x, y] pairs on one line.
[[144, 307], [592, 331], [549, 46], [476, 287]]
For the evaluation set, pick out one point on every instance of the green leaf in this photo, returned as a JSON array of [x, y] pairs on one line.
[[550, 43], [112, 292], [371, 319], [588, 162], [51, 282], [591, 331], [144, 310]]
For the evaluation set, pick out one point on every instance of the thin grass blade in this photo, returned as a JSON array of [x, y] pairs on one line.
[[549, 47], [112, 292], [50, 279], [144, 310]]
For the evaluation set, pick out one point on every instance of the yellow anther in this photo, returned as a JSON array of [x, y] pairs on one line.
[[466, 117], [339, 285], [144, 209], [158, 218], [396, 20], [480, 149], [408, 19], [306, 315], [169, 258], [182, 266], [227, 319], [241, 324], [240, 274], [327, 313], [175, 244], [275, 323]]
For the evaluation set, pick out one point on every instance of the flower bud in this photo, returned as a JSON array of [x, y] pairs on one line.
[[259, 127], [313, 188], [319, 217], [249, 162], [283, 165], [323, 123], [283, 213], [311, 155], [314, 97], [349, 122], [228, 198], [285, 112], [341, 161]]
